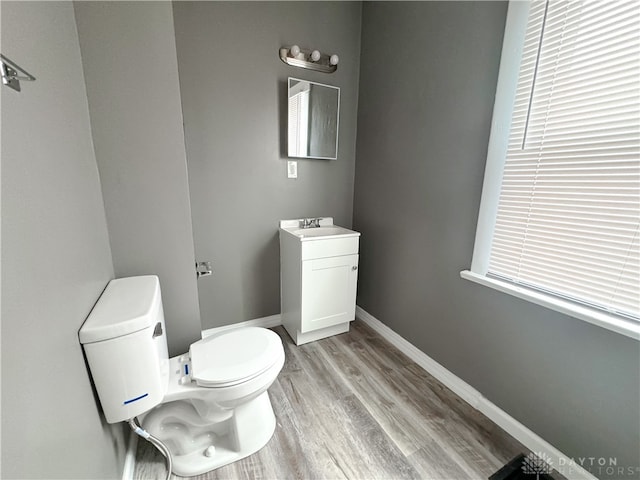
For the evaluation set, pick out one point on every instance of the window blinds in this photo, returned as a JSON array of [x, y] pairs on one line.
[[569, 209]]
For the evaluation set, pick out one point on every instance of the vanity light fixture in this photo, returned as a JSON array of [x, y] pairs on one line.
[[311, 59]]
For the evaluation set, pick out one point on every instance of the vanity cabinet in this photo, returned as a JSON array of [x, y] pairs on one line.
[[318, 280]]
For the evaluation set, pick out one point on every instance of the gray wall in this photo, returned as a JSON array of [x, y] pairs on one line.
[[233, 88], [423, 127], [55, 256], [129, 59]]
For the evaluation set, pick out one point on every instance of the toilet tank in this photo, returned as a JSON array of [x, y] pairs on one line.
[[126, 347]]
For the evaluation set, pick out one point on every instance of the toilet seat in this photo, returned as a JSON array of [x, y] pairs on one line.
[[234, 356]]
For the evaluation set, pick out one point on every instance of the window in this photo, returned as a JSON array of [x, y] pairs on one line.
[[560, 213]]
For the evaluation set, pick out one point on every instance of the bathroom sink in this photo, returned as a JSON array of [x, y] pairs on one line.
[[322, 231], [318, 278], [326, 230]]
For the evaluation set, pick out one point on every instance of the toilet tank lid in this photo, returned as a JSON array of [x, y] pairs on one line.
[[126, 306]]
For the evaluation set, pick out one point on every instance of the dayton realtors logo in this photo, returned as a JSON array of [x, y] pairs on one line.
[[606, 467], [603, 467]]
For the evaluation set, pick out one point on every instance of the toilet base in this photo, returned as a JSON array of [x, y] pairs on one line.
[[197, 447]]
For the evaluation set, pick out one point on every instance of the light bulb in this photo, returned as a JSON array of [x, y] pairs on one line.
[[315, 55], [294, 50], [333, 60]]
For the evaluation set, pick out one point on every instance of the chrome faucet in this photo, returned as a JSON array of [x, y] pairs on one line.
[[310, 222]]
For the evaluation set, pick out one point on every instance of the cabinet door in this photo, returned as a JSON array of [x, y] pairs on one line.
[[328, 291]]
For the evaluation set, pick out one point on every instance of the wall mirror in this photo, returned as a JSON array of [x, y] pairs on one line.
[[313, 120]]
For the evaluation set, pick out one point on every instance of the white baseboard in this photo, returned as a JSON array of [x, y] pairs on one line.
[[265, 322], [459, 387], [130, 457], [563, 464]]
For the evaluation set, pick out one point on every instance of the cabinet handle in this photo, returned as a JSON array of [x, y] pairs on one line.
[[355, 267]]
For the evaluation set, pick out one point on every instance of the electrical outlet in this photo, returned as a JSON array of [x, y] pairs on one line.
[[292, 169]]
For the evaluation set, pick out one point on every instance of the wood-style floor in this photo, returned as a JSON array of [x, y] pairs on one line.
[[353, 406]]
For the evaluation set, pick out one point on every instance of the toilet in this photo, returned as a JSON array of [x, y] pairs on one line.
[[209, 406]]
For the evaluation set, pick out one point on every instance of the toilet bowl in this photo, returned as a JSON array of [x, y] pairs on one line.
[[216, 409], [209, 406]]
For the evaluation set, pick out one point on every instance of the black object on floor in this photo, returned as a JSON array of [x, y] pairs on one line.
[[524, 467]]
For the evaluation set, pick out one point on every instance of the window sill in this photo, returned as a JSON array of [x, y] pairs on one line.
[[614, 323]]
